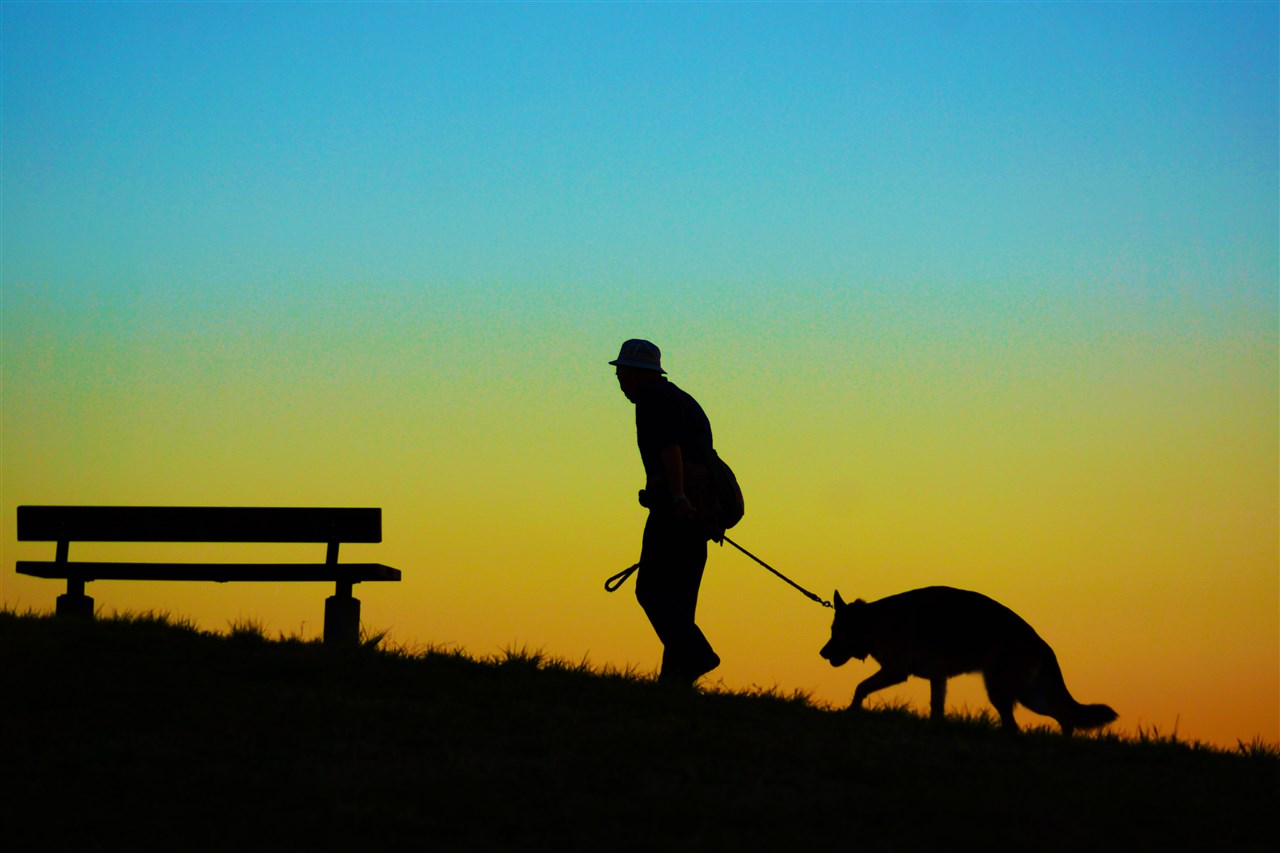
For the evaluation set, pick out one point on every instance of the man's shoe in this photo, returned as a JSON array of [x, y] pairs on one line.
[[708, 663], [686, 674]]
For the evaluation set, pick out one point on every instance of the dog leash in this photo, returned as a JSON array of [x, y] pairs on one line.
[[616, 581], [810, 595]]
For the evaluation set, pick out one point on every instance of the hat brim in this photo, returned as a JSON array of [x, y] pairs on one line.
[[642, 365]]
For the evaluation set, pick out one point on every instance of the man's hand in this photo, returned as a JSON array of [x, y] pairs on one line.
[[683, 508]]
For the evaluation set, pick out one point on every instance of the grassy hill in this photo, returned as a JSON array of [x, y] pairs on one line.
[[145, 733]]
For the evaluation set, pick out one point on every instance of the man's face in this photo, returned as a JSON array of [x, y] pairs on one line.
[[632, 379]]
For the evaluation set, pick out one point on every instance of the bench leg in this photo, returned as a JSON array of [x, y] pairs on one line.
[[74, 605], [342, 619]]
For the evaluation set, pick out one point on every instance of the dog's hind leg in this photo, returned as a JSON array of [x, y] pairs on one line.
[[1002, 696]]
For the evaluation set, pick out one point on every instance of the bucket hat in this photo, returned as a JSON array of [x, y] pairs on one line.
[[639, 353]]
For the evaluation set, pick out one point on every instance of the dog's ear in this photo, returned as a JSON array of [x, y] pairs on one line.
[[838, 600]]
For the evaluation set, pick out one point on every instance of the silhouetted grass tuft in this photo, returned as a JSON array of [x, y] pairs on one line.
[[143, 727]]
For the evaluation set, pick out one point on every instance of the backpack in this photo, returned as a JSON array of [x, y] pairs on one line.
[[719, 499]]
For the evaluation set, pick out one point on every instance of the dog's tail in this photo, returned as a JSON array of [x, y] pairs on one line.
[[1051, 698], [1091, 716]]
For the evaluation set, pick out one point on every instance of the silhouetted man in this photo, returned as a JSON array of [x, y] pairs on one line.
[[674, 436]]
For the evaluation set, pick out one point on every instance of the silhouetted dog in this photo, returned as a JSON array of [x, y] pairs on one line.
[[939, 632]]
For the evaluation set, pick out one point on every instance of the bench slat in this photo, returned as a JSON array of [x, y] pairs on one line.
[[198, 524], [218, 572]]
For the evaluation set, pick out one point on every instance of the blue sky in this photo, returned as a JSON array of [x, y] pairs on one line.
[[565, 141]]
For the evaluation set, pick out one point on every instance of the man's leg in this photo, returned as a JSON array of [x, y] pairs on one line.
[[672, 558]]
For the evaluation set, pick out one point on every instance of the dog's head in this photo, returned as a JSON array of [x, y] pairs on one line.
[[849, 635]]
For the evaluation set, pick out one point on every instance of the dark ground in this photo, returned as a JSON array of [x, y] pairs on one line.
[[138, 733]]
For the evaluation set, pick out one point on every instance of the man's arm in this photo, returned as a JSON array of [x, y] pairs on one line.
[[673, 467]]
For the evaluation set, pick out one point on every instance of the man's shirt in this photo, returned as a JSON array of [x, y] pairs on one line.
[[666, 415]]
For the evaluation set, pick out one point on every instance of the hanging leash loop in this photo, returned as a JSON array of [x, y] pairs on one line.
[[614, 582]]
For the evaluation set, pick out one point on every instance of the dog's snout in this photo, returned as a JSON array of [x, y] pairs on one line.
[[833, 654]]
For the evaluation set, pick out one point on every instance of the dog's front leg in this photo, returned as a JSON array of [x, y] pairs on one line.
[[938, 698], [877, 681]]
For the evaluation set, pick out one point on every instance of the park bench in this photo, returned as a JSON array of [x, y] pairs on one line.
[[330, 526]]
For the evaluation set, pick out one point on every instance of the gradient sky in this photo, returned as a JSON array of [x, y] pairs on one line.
[[982, 295]]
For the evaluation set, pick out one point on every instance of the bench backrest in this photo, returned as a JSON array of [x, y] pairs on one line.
[[198, 524]]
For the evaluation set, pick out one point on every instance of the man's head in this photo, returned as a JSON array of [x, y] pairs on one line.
[[638, 364]]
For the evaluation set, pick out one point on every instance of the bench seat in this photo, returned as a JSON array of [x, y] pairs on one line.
[[329, 526], [215, 572]]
